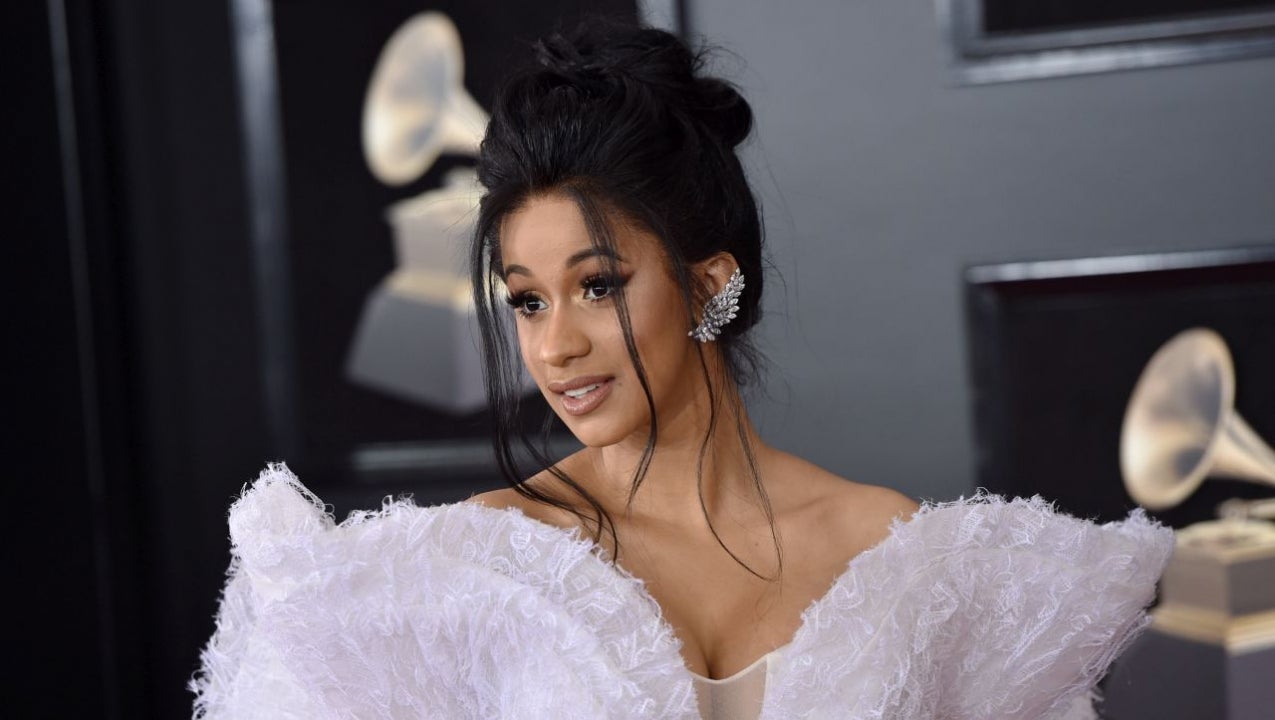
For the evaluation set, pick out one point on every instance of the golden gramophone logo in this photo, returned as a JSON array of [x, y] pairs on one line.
[[417, 336], [1180, 428]]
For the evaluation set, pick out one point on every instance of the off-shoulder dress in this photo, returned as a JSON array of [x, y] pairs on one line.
[[979, 608]]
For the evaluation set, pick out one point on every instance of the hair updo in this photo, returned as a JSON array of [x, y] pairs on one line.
[[622, 120], [623, 115]]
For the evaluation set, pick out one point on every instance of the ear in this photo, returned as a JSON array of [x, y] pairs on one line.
[[711, 275]]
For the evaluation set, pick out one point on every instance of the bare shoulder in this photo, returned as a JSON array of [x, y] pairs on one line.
[[500, 499], [880, 501], [505, 498], [862, 514], [850, 514]]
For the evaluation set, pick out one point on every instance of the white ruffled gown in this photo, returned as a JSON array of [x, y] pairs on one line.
[[980, 608]]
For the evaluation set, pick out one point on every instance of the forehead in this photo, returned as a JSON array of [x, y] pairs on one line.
[[541, 226], [547, 229]]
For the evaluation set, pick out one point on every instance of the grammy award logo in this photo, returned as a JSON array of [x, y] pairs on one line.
[[1181, 427], [417, 337]]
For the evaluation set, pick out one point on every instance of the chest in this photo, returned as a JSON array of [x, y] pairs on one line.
[[725, 616]]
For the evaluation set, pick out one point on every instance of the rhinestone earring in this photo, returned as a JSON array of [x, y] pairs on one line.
[[720, 309]]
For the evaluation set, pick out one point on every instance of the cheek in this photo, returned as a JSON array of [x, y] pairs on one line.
[[526, 348], [661, 340]]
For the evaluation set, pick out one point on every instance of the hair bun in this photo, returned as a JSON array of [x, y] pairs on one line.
[[724, 110], [603, 58]]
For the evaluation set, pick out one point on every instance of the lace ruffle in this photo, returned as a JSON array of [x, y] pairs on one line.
[[981, 608], [450, 612]]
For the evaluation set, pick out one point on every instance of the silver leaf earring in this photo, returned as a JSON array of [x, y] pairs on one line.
[[720, 309]]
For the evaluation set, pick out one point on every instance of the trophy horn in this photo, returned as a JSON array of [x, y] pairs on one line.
[[1181, 426], [416, 106]]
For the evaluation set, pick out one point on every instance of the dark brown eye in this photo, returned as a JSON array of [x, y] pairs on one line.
[[525, 304], [599, 287]]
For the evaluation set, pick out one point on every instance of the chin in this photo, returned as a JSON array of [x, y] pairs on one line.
[[595, 435], [599, 429]]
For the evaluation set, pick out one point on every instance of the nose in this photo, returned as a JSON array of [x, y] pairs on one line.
[[563, 338]]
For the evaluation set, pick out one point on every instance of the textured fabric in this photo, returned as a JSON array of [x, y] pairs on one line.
[[980, 608]]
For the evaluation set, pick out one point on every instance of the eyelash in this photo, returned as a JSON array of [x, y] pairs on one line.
[[518, 301]]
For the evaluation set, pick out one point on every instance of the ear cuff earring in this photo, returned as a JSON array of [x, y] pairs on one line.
[[720, 309]]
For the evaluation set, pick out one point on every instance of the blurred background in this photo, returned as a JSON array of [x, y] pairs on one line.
[[983, 217]]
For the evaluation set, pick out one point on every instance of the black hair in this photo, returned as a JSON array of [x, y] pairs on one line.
[[623, 121]]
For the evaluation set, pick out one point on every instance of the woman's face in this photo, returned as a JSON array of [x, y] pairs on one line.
[[569, 332]]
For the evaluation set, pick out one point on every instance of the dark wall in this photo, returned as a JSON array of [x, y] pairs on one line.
[[191, 350], [49, 520], [136, 406]]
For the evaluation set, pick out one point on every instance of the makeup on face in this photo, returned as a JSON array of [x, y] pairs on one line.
[[582, 394], [595, 288], [578, 395], [562, 289]]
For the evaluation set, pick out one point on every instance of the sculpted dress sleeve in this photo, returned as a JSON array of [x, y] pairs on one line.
[[981, 608], [457, 611]]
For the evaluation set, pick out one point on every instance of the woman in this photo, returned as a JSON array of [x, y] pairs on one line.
[[677, 566]]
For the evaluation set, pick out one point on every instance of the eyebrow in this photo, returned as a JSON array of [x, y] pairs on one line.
[[572, 261]]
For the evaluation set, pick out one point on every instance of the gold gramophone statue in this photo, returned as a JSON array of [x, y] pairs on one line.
[[416, 338], [1215, 624]]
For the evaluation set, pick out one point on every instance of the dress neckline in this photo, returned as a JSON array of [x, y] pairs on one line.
[[599, 555], [740, 673]]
